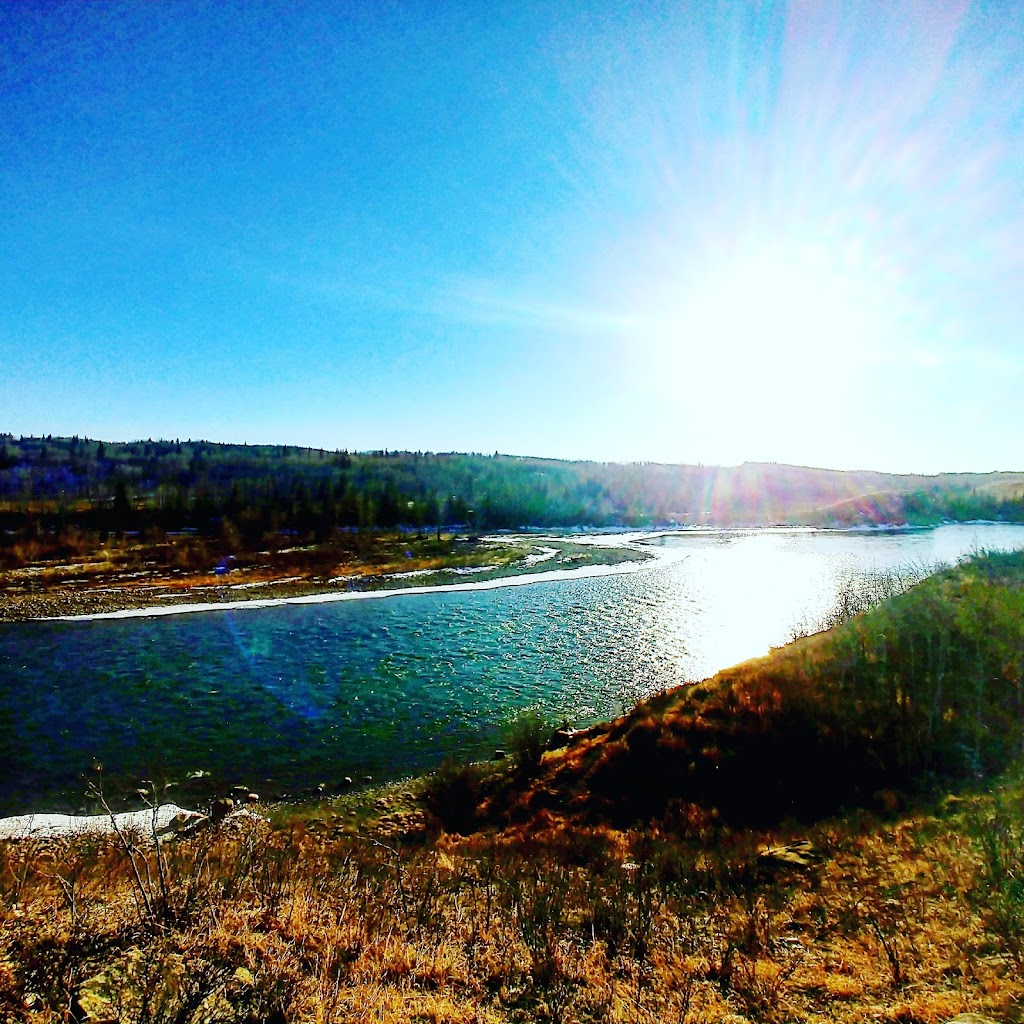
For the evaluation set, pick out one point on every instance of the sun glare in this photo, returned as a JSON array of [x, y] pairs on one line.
[[792, 319], [755, 347], [775, 323]]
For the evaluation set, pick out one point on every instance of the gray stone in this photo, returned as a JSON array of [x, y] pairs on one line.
[[162, 821]]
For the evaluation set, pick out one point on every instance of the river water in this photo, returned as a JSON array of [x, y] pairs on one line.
[[284, 698]]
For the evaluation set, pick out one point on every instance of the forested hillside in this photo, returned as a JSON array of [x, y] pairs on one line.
[[56, 487]]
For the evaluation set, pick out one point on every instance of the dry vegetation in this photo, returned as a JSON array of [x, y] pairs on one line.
[[922, 691], [655, 870], [83, 577], [913, 918]]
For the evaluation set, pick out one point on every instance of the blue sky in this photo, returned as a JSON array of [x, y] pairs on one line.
[[677, 232]]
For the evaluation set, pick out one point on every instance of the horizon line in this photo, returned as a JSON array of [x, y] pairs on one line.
[[50, 437]]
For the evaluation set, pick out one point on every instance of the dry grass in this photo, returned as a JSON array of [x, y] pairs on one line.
[[623, 879], [927, 688], [895, 921]]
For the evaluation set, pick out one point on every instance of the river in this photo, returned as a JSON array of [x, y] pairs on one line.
[[282, 699]]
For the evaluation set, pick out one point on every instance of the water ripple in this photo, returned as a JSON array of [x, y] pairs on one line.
[[305, 693]]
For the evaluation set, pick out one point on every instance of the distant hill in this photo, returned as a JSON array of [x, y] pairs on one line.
[[49, 485]]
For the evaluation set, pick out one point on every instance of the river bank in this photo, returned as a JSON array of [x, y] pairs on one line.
[[133, 577], [493, 892], [106, 587]]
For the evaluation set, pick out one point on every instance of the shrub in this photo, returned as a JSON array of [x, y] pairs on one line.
[[526, 737], [1000, 835], [452, 794]]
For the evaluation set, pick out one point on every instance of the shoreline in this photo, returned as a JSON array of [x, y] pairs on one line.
[[636, 545], [589, 555], [629, 551], [334, 596]]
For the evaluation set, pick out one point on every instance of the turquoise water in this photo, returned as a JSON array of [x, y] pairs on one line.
[[282, 699]]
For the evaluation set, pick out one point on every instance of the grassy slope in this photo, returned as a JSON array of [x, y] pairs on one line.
[[573, 910], [911, 918], [926, 688]]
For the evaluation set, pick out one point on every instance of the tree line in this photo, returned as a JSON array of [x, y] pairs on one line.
[[49, 485]]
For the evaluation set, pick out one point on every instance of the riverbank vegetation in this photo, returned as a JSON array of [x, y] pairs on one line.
[[914, 917], [88, 526], [830, 833], [64, 496], [925, 689], [150, 572]]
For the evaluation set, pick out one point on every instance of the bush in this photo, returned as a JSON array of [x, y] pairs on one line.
[[1000, 836], [526, 738], [453, 794]]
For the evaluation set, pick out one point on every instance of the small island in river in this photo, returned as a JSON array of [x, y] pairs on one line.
[[90, 527], [136, 574]]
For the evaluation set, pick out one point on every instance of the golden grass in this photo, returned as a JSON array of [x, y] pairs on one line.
[[551, 912], [293, 923]]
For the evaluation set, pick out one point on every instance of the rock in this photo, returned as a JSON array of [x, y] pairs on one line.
[[345, 782], [165, 820], [561, 738], [221, 809], [184, 824], [89, 1007], [499, 755], [367, 778], [252, 798], [798, 855], [244, 977]]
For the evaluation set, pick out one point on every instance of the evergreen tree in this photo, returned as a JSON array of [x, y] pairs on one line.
[[122, 508]]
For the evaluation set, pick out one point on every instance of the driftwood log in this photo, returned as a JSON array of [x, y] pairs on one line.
[[162, 821]]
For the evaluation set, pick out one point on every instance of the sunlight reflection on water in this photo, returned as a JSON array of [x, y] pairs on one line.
[[306, 693]]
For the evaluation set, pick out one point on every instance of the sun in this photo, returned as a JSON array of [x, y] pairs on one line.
[[763, 349], [776, 319], [774, 308]]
